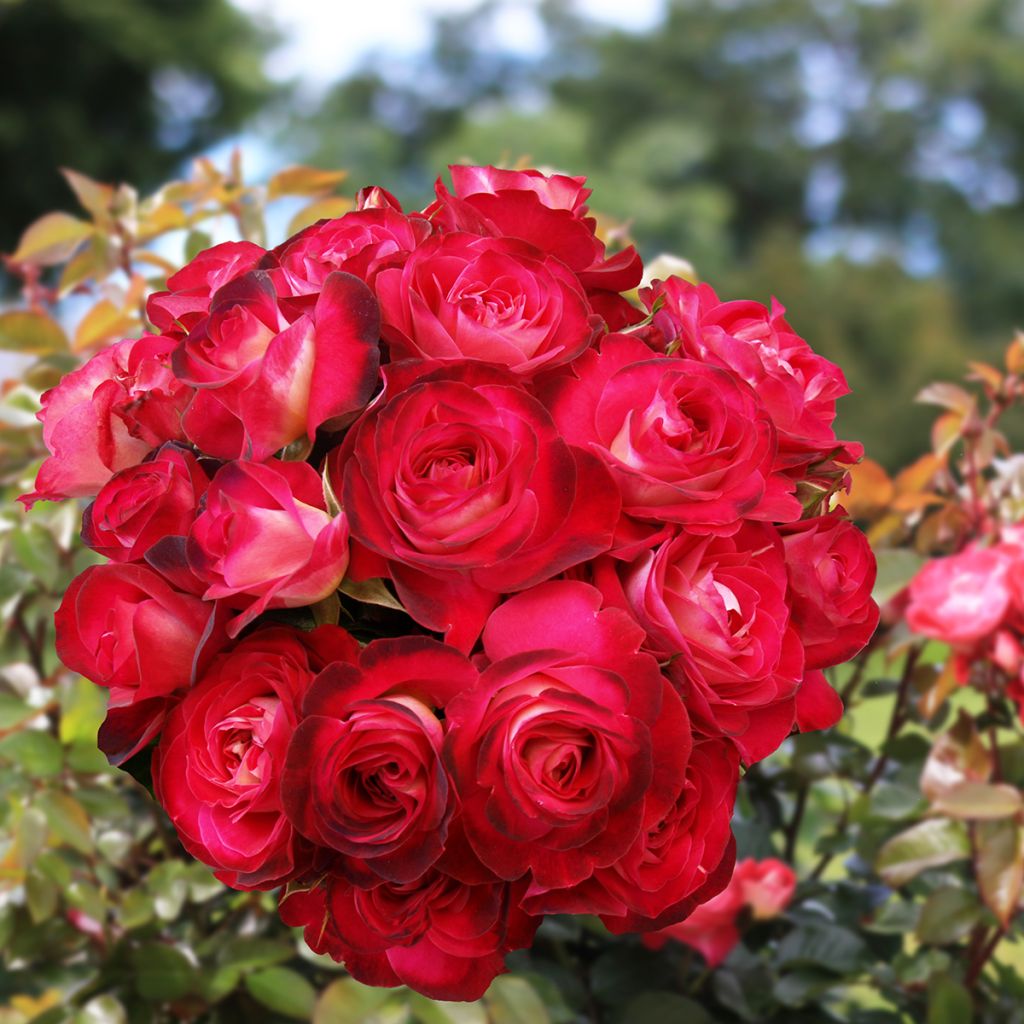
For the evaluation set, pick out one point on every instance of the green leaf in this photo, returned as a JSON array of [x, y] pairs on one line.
[[31, 333], [195, 242], [14, 711], [36, 752], [250, 953], [83, 706], [41, 897], [162, 973], [896, 568], [822, 944], [52, 239], [346, 1001], [999, 866], [947, 916], [102, 1010], [512, 1000], [68, 820], [371, 592], [95, 197], [949, 1002], [434, 1011], [979, 801], [282, 990], [797, 988], [929, 844], [665, 1008], [35, 549]]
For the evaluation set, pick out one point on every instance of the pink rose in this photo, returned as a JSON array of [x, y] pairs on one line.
[[217, 771], [459, 485], [831, 574], [497, 300], [265, 539], [963, 598], [686, 442], [108, 415], [126, 629], [269, 369], [145, 504]]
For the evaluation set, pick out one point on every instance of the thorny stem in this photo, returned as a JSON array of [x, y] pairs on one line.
[[793, 828]]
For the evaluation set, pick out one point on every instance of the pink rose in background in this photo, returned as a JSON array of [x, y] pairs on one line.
[[145, 504], [108, 415], [498, 300], [269, 370], [764, 888], [963, 598], [218, 768], [265, 539], [125, 628]]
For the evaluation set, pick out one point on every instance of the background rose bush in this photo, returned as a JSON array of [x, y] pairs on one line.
[[102, 917]]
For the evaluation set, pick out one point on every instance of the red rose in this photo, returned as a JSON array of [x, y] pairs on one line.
[[717, 607], [962, 599], [552, 751], [269, 369], [686, 442], [361, 243], [548, 211], [108, 415], [831, 575], [266, 540], [497, 300], [798, 387], [463, 488], [364, 774], [145, 504], [444, 938], [217, 771], [187, 299], [126, 629]]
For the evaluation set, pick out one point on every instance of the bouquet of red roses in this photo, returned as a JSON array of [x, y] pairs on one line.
[[450, 578]]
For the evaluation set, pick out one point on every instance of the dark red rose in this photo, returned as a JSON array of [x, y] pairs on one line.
[[444, 938], [125, 628], [364, 774], [270, 369], [145, 504], [497, 300], [217, 771], [552, 751], [831, 575], [687, 442], [463, 489]]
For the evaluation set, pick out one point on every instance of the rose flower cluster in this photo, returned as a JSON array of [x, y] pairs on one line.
[[603, 519]]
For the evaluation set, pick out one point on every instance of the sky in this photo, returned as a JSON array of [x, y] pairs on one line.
[[327, 38]]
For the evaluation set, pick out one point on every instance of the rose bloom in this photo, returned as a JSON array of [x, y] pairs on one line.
[[831, 574], [444, 938], [963, 598], [125, 628], [270, 369], [717, 607], [364, 774], [459, 296], [266, 540], [547, 211], [798, 387], [362, 243], [686, 442], [459, 488], [145, 504], [217, 771], [108, 415], [764, 887], [186, 301], [553, 751]]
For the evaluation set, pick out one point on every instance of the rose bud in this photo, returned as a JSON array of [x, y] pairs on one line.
[[145, 504], [716, 606], [364, 774], [497, 300], [687, 443], [831, 574], [462, 489], [444, 938], [269, 370], [552, 752], [108, 415], [217, 771], [126, 629], [266, 540]]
